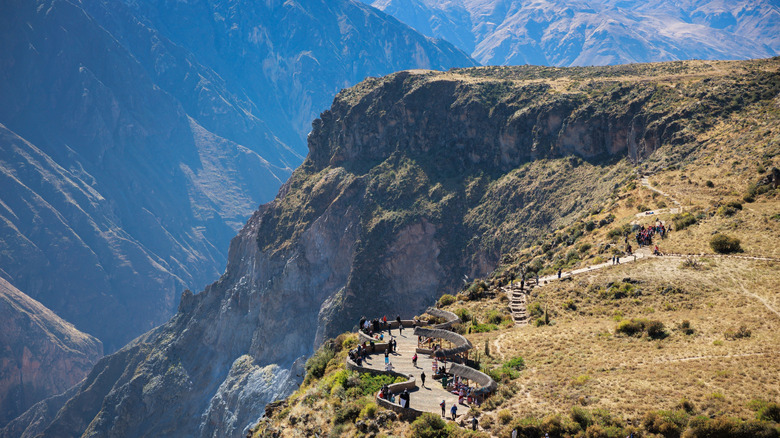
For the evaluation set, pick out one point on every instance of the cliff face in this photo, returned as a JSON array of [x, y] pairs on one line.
[[41, 353], [412, 182]]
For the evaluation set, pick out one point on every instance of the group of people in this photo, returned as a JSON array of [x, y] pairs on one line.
[[461, 389], [375, 326], [404, 398], [644, 236]]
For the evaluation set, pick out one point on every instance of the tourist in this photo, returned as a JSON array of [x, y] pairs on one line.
[[474, 423], [387, 354], [400, 326], [414, 360], [559, 273], [443, 406], [388, 366], [422, 378], [454, 411]]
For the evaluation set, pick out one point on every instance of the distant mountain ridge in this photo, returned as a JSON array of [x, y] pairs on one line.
[[596, 32], [136, 138]]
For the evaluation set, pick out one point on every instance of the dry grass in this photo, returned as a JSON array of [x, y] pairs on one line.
[[581, 361]]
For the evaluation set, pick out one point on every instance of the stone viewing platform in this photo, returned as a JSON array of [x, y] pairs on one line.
[[427, 396]]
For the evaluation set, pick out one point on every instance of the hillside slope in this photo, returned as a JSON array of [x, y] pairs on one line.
[[572, 32], [412, 181], [44, 354]]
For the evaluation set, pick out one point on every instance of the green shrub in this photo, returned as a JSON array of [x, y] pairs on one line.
[[346, 413], [686, 328], [636, 326], [596, 431], [369, 411], [741, 332], [734, 204], [687, 406], [655, 329], [726, 211], [429, 425], [769, 412], [553, 425], [535, 309], [504, 416], [670, 424], [581, 416], [463, 314], [446, 300], [683, 220], [483, 328], [371, 384], [527, 427], [642, 207], [618, 232], [704, 427], [709, 184], [495, 317], [516, 363], [629, 327], [724, 244], [315, 366]]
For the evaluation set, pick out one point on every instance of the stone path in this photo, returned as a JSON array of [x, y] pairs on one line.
[[424, 398]]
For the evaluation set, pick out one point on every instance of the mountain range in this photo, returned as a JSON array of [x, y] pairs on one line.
[[596, 32], [134, 144]]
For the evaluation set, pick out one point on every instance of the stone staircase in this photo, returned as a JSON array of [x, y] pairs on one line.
[[518, 301]]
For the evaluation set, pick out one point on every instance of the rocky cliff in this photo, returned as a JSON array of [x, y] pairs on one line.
[[412, 182], [41, 354]]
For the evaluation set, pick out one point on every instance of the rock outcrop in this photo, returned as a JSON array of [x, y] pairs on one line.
[[41, 354], [412, 182]]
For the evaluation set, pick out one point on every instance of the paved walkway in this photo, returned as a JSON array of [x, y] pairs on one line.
[[424, 398]]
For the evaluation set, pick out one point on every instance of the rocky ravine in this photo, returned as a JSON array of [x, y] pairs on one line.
[[412, 181], [41, 353]]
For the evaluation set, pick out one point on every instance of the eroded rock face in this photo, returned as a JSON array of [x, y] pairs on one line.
[[41, 355]]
